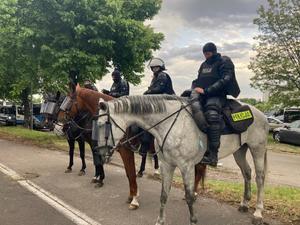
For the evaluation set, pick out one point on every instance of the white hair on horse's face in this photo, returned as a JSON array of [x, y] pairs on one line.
[[140, 105]]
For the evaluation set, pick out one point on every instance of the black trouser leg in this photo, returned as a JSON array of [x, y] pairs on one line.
[[156, 165], [197, 111], [143, 163], [145, 146]]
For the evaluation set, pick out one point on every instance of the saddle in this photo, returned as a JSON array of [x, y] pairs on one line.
[[237, 117]]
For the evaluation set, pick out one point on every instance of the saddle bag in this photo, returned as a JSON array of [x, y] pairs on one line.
[[238, 117]]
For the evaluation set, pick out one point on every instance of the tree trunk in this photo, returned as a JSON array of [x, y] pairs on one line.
[[26, 103]]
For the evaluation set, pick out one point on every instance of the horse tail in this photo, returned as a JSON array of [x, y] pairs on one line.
[[203, 177], [201, 174], [266, 151]]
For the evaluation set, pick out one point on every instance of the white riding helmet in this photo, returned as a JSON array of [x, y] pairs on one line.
[[157, 62]]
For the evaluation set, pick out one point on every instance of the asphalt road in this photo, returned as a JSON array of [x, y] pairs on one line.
[[107, 205], [283, 168], [20, 207]]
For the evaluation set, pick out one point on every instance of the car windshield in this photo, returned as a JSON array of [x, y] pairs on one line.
[[295, 124], [291, 116], [8, 111]]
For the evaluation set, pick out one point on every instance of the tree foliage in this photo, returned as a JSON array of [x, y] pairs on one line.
[[41, 41], [48, 38], [277, 62]]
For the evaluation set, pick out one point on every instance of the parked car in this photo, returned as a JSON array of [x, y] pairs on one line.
[[275, 123], [7, 116], [11, 115], [280, 117], [288, 134]]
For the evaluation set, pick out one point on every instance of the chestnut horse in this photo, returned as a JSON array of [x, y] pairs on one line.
[[88, 100]]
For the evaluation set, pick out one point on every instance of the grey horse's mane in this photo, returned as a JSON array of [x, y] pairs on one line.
[[146, 104]]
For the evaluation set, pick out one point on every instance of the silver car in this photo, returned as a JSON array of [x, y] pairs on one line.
[[275, 123], [288, 134]]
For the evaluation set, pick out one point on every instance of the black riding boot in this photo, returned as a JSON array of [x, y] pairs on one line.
[[197, 111]]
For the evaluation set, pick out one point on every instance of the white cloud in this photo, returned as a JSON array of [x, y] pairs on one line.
[[188, 25]]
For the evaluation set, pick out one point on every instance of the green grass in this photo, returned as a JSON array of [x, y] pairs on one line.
[[280, 147], [42, 139], [280, 201]]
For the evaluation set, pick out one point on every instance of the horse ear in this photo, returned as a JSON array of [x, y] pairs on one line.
[[72, 87], [77, 87], [103, 106]]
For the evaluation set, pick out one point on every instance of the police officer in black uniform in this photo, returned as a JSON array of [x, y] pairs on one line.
[[160, 84], [120, 86], [90, 85], [216, 79]]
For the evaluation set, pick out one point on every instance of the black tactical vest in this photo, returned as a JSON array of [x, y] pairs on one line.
[[208, 74]]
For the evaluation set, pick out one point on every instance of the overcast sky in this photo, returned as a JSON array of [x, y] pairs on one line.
[[188, 25]]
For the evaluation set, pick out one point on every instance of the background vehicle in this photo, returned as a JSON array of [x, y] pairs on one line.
[[275, 123], [11, 115], [8, 115], [288, 115], [288, 134], [291, 114]]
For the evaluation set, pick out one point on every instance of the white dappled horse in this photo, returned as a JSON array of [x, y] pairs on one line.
[[181, 144]]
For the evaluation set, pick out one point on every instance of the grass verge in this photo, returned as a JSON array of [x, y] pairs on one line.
[[41, 139], [281, 202]]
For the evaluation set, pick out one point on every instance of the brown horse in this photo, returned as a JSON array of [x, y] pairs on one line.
[[88, 100]]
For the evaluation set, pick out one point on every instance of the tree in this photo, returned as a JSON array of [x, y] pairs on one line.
[[42, 41], [17, 63], [88, 36], [277, 62], [250, 101]]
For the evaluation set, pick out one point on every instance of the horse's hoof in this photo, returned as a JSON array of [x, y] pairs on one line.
[[129, 200], [160, 222], [94, 180], [196, 195], [257, 221], [243, 209], [156, 176], [69, 170], [99, 184], [133, 207], [140, 174], [81, 173], [194, 221]]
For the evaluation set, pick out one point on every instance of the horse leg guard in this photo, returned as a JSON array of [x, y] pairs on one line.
[[214, 135]]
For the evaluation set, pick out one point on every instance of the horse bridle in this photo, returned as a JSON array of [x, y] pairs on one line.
[[66, 107]]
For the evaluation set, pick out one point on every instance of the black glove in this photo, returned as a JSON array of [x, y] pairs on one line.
[[104, 91], [147, 92], [186, 93]]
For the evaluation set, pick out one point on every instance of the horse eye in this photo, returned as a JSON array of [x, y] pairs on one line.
[[103, 106]]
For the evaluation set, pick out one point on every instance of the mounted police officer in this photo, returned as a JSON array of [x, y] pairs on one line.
[[216, 79], [160, 84], [120, 86], [90, 85]]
